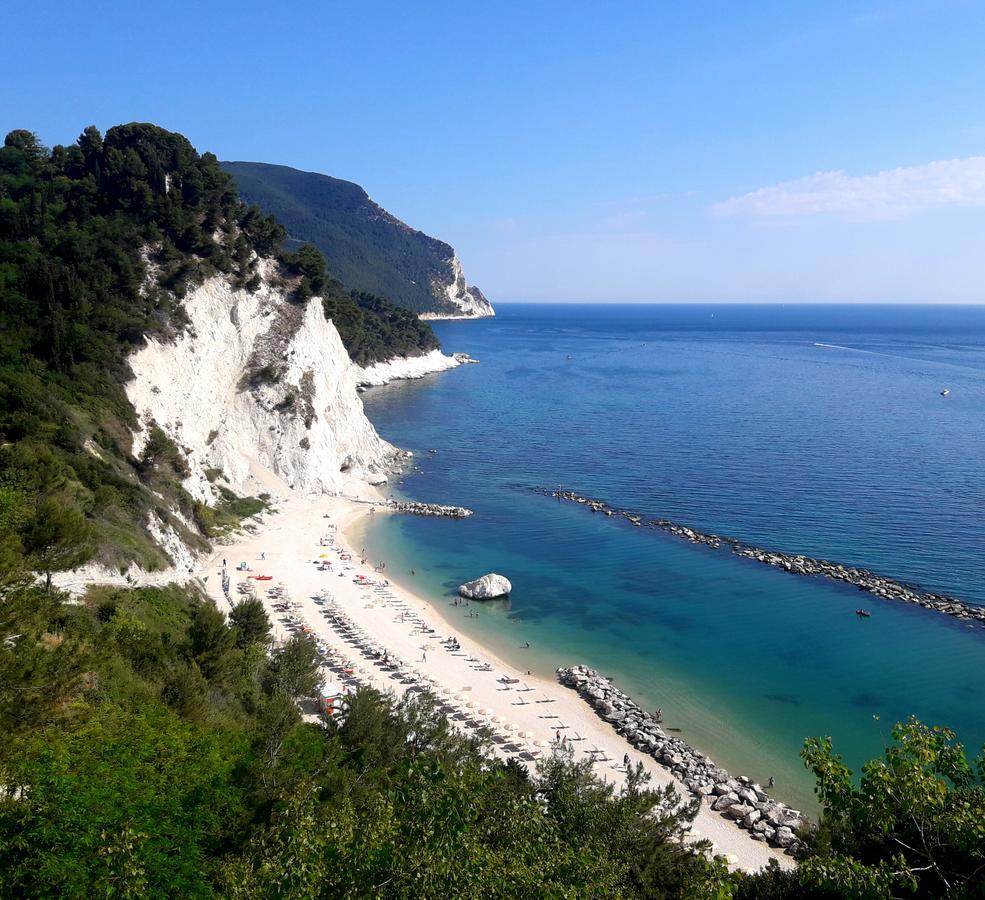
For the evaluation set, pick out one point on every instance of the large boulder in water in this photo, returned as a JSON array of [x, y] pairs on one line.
[[486, 588]]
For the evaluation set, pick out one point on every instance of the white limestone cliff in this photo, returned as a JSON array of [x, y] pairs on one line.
[[458, 299], [401, 367], [256, 380]]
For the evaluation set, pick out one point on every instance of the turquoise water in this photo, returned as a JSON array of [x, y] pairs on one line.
[[729, 419]]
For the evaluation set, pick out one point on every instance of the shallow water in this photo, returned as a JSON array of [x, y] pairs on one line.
[[729, 419]]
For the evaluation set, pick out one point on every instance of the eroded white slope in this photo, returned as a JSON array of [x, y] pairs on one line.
[[301, 419], [467, 301]]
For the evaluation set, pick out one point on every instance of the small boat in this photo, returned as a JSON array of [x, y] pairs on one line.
[[862, 613], [262, 577], [945, 392]]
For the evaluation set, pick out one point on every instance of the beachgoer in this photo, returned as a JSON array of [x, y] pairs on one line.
[[658, 715], [625, 760], [529, 672], [424, 657], [526, 643], [771, 782], [413, 572], [263, 556], [557, 736]]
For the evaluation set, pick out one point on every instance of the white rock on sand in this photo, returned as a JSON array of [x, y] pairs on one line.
[[487, 587]]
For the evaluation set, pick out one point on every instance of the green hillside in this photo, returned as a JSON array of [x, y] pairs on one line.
[[365, 247], [81, 230], [149, 747]]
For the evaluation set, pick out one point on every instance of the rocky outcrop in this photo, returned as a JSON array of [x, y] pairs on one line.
[[736, 798], [797, 564], [255, 379], [400, 368], [456, 298], [488, 587]]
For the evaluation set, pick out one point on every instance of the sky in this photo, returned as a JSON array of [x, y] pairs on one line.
[[626, 151]]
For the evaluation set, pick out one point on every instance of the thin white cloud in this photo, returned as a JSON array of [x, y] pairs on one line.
[[891, 194]]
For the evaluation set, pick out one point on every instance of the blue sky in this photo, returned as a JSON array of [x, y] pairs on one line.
[[576, 150]]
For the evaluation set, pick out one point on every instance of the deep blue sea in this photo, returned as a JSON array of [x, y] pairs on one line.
[[812, 429]]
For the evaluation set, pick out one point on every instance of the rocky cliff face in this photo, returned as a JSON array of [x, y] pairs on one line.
[[256, 380], [456, 298], [366, 247]]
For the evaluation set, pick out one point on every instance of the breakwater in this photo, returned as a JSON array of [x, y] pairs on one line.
[[797, 564], [428, 509], [737, 799]]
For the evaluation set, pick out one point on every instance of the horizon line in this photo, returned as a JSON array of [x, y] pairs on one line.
[[936, 303]]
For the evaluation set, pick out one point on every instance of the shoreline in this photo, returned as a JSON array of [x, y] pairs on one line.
[[289, 543], [726, 794]]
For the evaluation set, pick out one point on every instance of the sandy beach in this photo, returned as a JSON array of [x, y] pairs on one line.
[[303, 547]]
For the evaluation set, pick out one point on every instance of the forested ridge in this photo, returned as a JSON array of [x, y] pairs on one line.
[[367, 248], [151, 748]]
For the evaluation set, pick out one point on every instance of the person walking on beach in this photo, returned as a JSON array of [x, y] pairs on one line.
[[625, 761], [557, 736], [424, 657]]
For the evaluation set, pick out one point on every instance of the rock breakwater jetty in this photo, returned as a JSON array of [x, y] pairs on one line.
[[797, 564], [737, 799], [417, 508]]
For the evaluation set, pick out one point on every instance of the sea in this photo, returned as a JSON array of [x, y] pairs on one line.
[[814, 429]]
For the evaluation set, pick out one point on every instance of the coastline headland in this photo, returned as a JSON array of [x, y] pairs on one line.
[[737, 799], [797, 564]]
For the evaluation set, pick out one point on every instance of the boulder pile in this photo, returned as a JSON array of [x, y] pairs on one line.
[[429, 509], [738, 799], [797, 564]]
